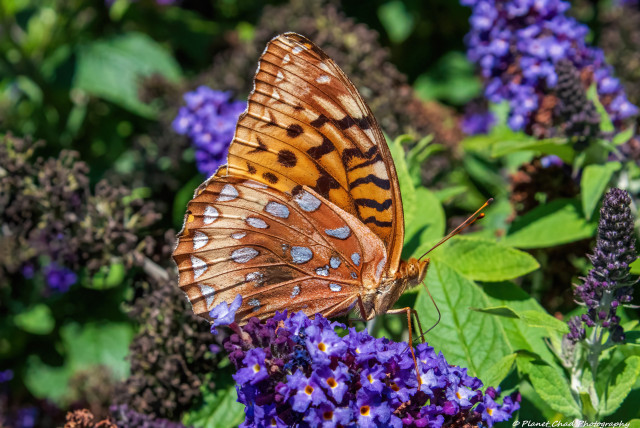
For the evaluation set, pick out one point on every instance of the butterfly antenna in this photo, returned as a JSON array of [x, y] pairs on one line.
[[468, 222], [421, 337]]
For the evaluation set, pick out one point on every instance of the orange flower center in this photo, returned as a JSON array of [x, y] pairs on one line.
[[370, 378], [364, 410], [332, 382], [490, 411], [308, 389], [327, 416], [395, 387], [256, 368], [322, 346], [458, 395]]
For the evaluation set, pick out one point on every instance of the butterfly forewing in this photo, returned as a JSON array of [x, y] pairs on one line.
[[306, 125], [279, 251]]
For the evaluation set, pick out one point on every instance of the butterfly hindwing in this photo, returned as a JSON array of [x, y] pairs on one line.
[[306, 125], [294, 251]]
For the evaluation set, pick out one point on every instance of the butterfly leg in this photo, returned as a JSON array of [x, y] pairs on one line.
[[408, 311], [362, 316]]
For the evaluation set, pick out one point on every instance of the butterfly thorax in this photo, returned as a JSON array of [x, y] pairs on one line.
[[410, 273]]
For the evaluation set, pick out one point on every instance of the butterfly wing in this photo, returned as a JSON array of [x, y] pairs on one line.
[[279, 251], [307, 125]]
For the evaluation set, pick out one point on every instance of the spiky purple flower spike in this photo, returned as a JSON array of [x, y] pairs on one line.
[[608, 284]]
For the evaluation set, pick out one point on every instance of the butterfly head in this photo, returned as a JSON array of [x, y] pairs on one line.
[[414, 271]]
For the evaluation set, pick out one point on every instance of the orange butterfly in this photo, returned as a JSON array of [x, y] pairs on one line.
[[307, 215]]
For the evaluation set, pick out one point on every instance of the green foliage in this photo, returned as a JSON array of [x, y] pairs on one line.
[[595, 179], [113, 69], [558, 222], [90, 346], [219, 409]]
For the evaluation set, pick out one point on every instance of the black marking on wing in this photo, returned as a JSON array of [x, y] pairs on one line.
[[321, 120], [294, 130], [271, 178], [348, 121], [287, 158], [371, 203], [349, 154], [325, 183], [377, 222], [318, 151], [377, 158], [262, 147], [380, 182]]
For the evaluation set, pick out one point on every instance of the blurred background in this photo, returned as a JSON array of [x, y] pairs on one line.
[[104, 141]]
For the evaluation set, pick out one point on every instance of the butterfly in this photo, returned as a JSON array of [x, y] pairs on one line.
[[307, 214]]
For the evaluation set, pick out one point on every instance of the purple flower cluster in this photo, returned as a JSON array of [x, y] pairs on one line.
[[478, 122], [209, 119], [294, 371], [516, 44], [59, 278], [608, 284]]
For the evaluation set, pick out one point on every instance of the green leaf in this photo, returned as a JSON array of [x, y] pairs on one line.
[[635, 267], [558, 222], [85, 346], [558, 147], [518, 334], [451, 79], [407, 189], [605, 121], [447, 194], [108, 277], [219, 410], [182, 198], [622, 137], [396, 20], [37, 319], [595, 179], [496, 374], [529, 317], [428, 222], [485, 260], [622, 379], [467, 338], [113, 69], [550, 383], [634, 423]]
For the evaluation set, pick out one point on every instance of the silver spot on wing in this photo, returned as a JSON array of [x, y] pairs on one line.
[[199, 240], [228, 193], [277, 209], [243, 255], [301, 254], [307, 201], [258, 223], [199, 266], [210, 214], [339, 233]]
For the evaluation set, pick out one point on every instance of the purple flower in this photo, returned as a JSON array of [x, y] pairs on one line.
[[6, 375], [516, 45], [59, 278], [224, 314], [608, 284], [307, 391], [209, 119], [317, 378], [255, 371], [492, 412]]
